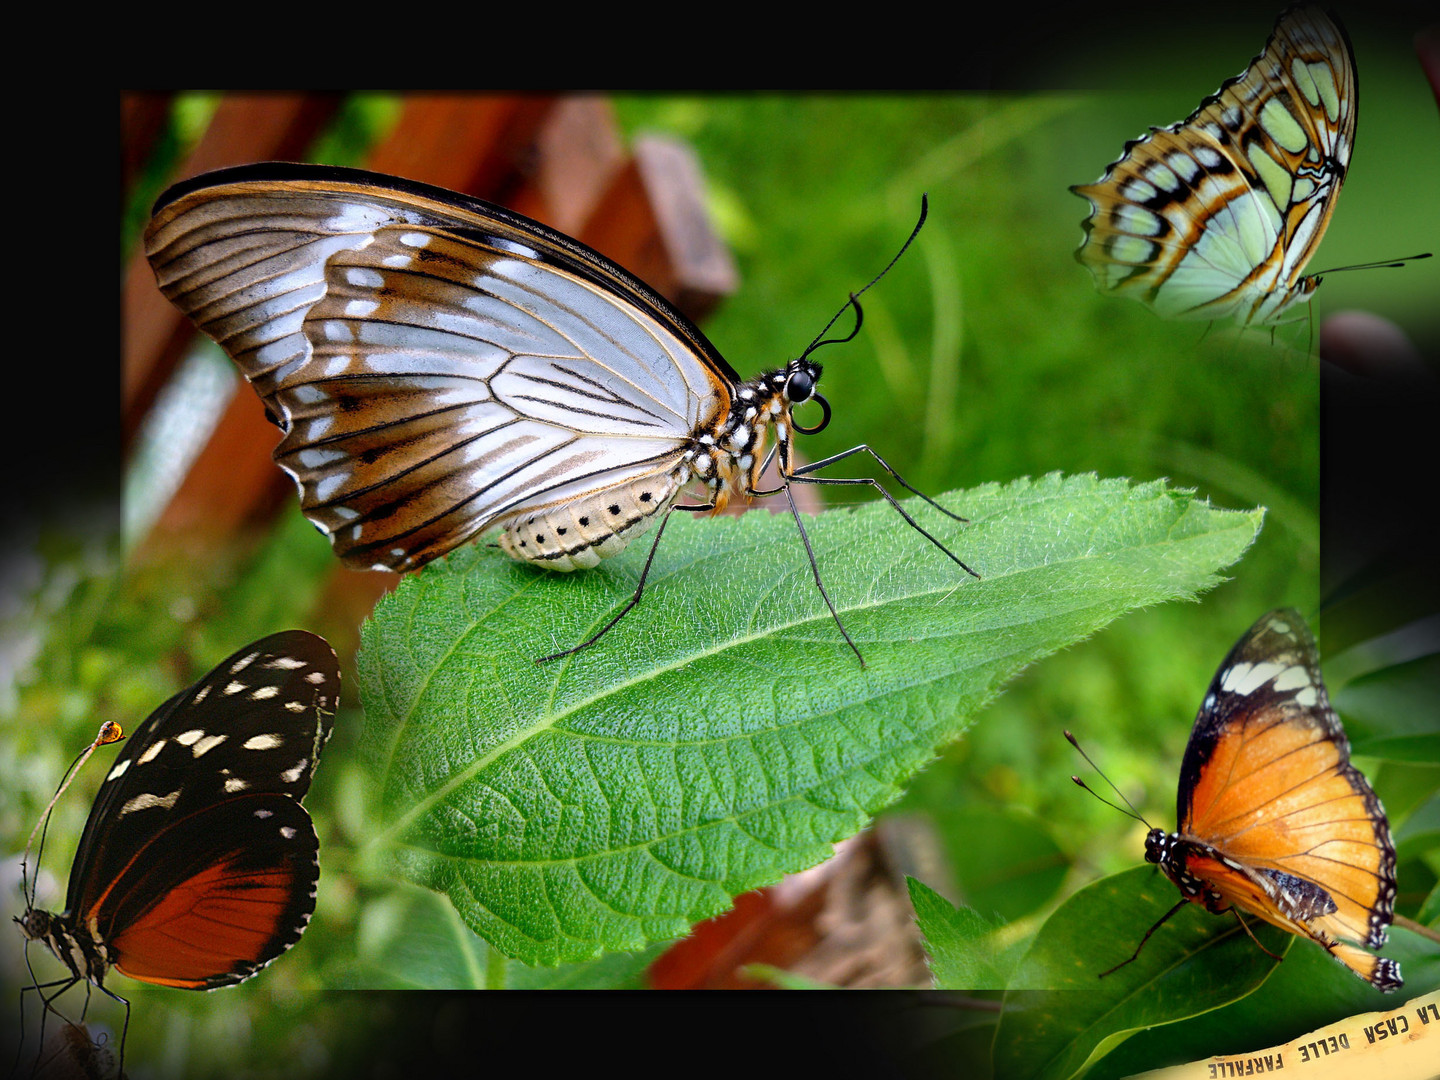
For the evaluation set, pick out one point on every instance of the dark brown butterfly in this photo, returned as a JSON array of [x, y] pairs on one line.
[[198, 865]]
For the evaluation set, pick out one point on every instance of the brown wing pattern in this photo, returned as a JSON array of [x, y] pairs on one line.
[[1216, 216], [436, 363]]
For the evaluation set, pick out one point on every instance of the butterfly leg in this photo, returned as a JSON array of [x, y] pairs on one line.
[[1244, 926], [1161, 922], [639, 588], [124, 1030], [803, 475], [804, 539], [815, 569], [39, 988]]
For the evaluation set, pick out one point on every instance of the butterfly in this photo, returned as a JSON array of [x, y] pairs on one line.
[[1272, 817], [198, 865], [1216, 216], [439, 366]]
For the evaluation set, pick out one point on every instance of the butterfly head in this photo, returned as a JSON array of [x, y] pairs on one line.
[[797, 386], [1157, 846], [34, 924], [1303, 290]]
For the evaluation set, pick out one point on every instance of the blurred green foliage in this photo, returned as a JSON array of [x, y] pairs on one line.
[[986, 355]]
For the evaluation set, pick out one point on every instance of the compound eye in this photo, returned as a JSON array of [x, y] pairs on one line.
[[799, 387]]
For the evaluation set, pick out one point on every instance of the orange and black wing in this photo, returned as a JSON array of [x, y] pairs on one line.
[[198, 865], [213, 898], [1295, 833]]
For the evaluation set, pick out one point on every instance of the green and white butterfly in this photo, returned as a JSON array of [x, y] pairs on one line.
[[1215, 217]]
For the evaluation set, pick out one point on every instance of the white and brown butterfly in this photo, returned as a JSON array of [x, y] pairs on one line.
[[440, 366], [1215, 217]]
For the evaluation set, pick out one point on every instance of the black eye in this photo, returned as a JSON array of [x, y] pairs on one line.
[[799, 386]]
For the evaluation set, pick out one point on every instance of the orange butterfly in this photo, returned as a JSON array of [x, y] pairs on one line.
[[1273, 818]]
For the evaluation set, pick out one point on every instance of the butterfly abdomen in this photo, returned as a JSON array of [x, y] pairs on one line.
[[725, 456], [577, 535]]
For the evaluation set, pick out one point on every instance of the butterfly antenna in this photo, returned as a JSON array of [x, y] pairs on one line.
[[109, 732], [854, 297], [1375, 265], [1132, 812]]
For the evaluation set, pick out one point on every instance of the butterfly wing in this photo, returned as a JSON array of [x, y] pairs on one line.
[[198, 865], [236, 888], [1291, 831], [1291, 903], [1216, 216], [436, 363]]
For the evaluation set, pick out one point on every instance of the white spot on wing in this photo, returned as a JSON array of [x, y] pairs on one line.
[[262, 742], [1292, 678], [148, 801], [291, 775], [150, 752], [264, 693], [363, 277], [1254, 678], [244, 662]]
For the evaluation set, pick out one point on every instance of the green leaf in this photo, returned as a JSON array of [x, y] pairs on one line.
[[1429, 913], [1308, 991], [412, 939], [781, 979], [958, 942], [1060, 1014], [1421, 831], [1007, 864], [723, 735], [613, 971], [1389, 713]]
